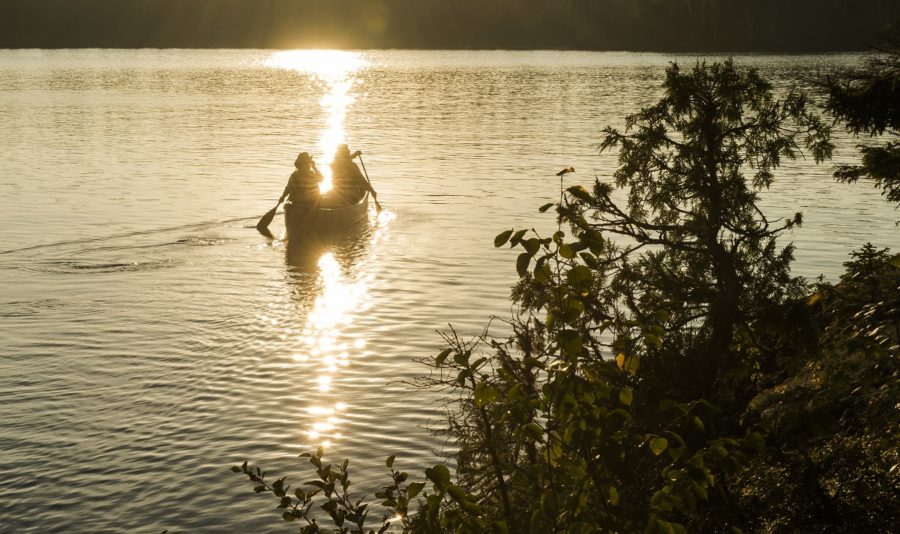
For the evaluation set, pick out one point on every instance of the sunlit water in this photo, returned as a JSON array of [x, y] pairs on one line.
[[150, 337]]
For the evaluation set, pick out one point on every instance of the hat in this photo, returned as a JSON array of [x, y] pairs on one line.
[[343, 149], [302, 158]]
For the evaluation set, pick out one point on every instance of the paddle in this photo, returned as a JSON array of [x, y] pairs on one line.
[[266, 220], [377, 205]]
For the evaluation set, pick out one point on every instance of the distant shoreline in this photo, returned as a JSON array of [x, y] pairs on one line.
[[684, 52], [664, 26]]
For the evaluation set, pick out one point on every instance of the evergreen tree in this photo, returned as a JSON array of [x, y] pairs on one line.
[[867, 100], [696, 242]]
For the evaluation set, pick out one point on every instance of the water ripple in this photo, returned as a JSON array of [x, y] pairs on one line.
[[180, 341]]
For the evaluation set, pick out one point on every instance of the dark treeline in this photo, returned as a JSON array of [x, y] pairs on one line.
[[664, 25]]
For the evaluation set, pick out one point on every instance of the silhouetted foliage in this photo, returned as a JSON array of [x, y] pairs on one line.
[[831, 417], [664, 372], [867, 100], [712, 260]]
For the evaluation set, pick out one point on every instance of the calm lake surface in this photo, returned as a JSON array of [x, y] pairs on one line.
[[150, 338]]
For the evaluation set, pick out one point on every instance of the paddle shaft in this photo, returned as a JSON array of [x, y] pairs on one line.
[[377, 205]]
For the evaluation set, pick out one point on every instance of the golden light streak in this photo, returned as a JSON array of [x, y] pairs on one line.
[[326, 349], [336, 70]]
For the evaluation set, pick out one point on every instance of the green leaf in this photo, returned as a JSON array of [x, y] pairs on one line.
[[537, 521], [439, 475], [522, 263], [533, 431], [572, 308], [542, 271], [658, 445], [700, 491], [549, 504], [626, 396], [462, 376], [579, 193], [532, 246], [502, 238], [414, 488], [517, 237], [235, 469], [433, 501], [457, 494], [439, 360], [470, 507], [570, 342], [579, 275], [613, 496], [390, 461], [287, 516], [443, 473], [566, 251], [698, 423], [554, 453], [546, 207], [676, 452], [485, 394], [630, 364]]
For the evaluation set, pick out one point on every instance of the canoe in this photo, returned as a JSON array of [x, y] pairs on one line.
[[304, 221]]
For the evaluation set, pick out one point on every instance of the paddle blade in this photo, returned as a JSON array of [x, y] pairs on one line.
[[266, 220]]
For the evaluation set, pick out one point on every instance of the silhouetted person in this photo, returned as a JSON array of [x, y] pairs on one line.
[[303, 185], [348, 183]]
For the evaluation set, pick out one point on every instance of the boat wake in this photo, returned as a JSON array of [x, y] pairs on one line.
[[73, 267], [146, 250], [29, 308], [136, 234]]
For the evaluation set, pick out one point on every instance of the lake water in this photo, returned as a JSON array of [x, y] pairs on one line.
[[150, 338]]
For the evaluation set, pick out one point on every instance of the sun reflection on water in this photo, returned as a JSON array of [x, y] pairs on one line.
[[327, 349], [333, 280], [336, 70]]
